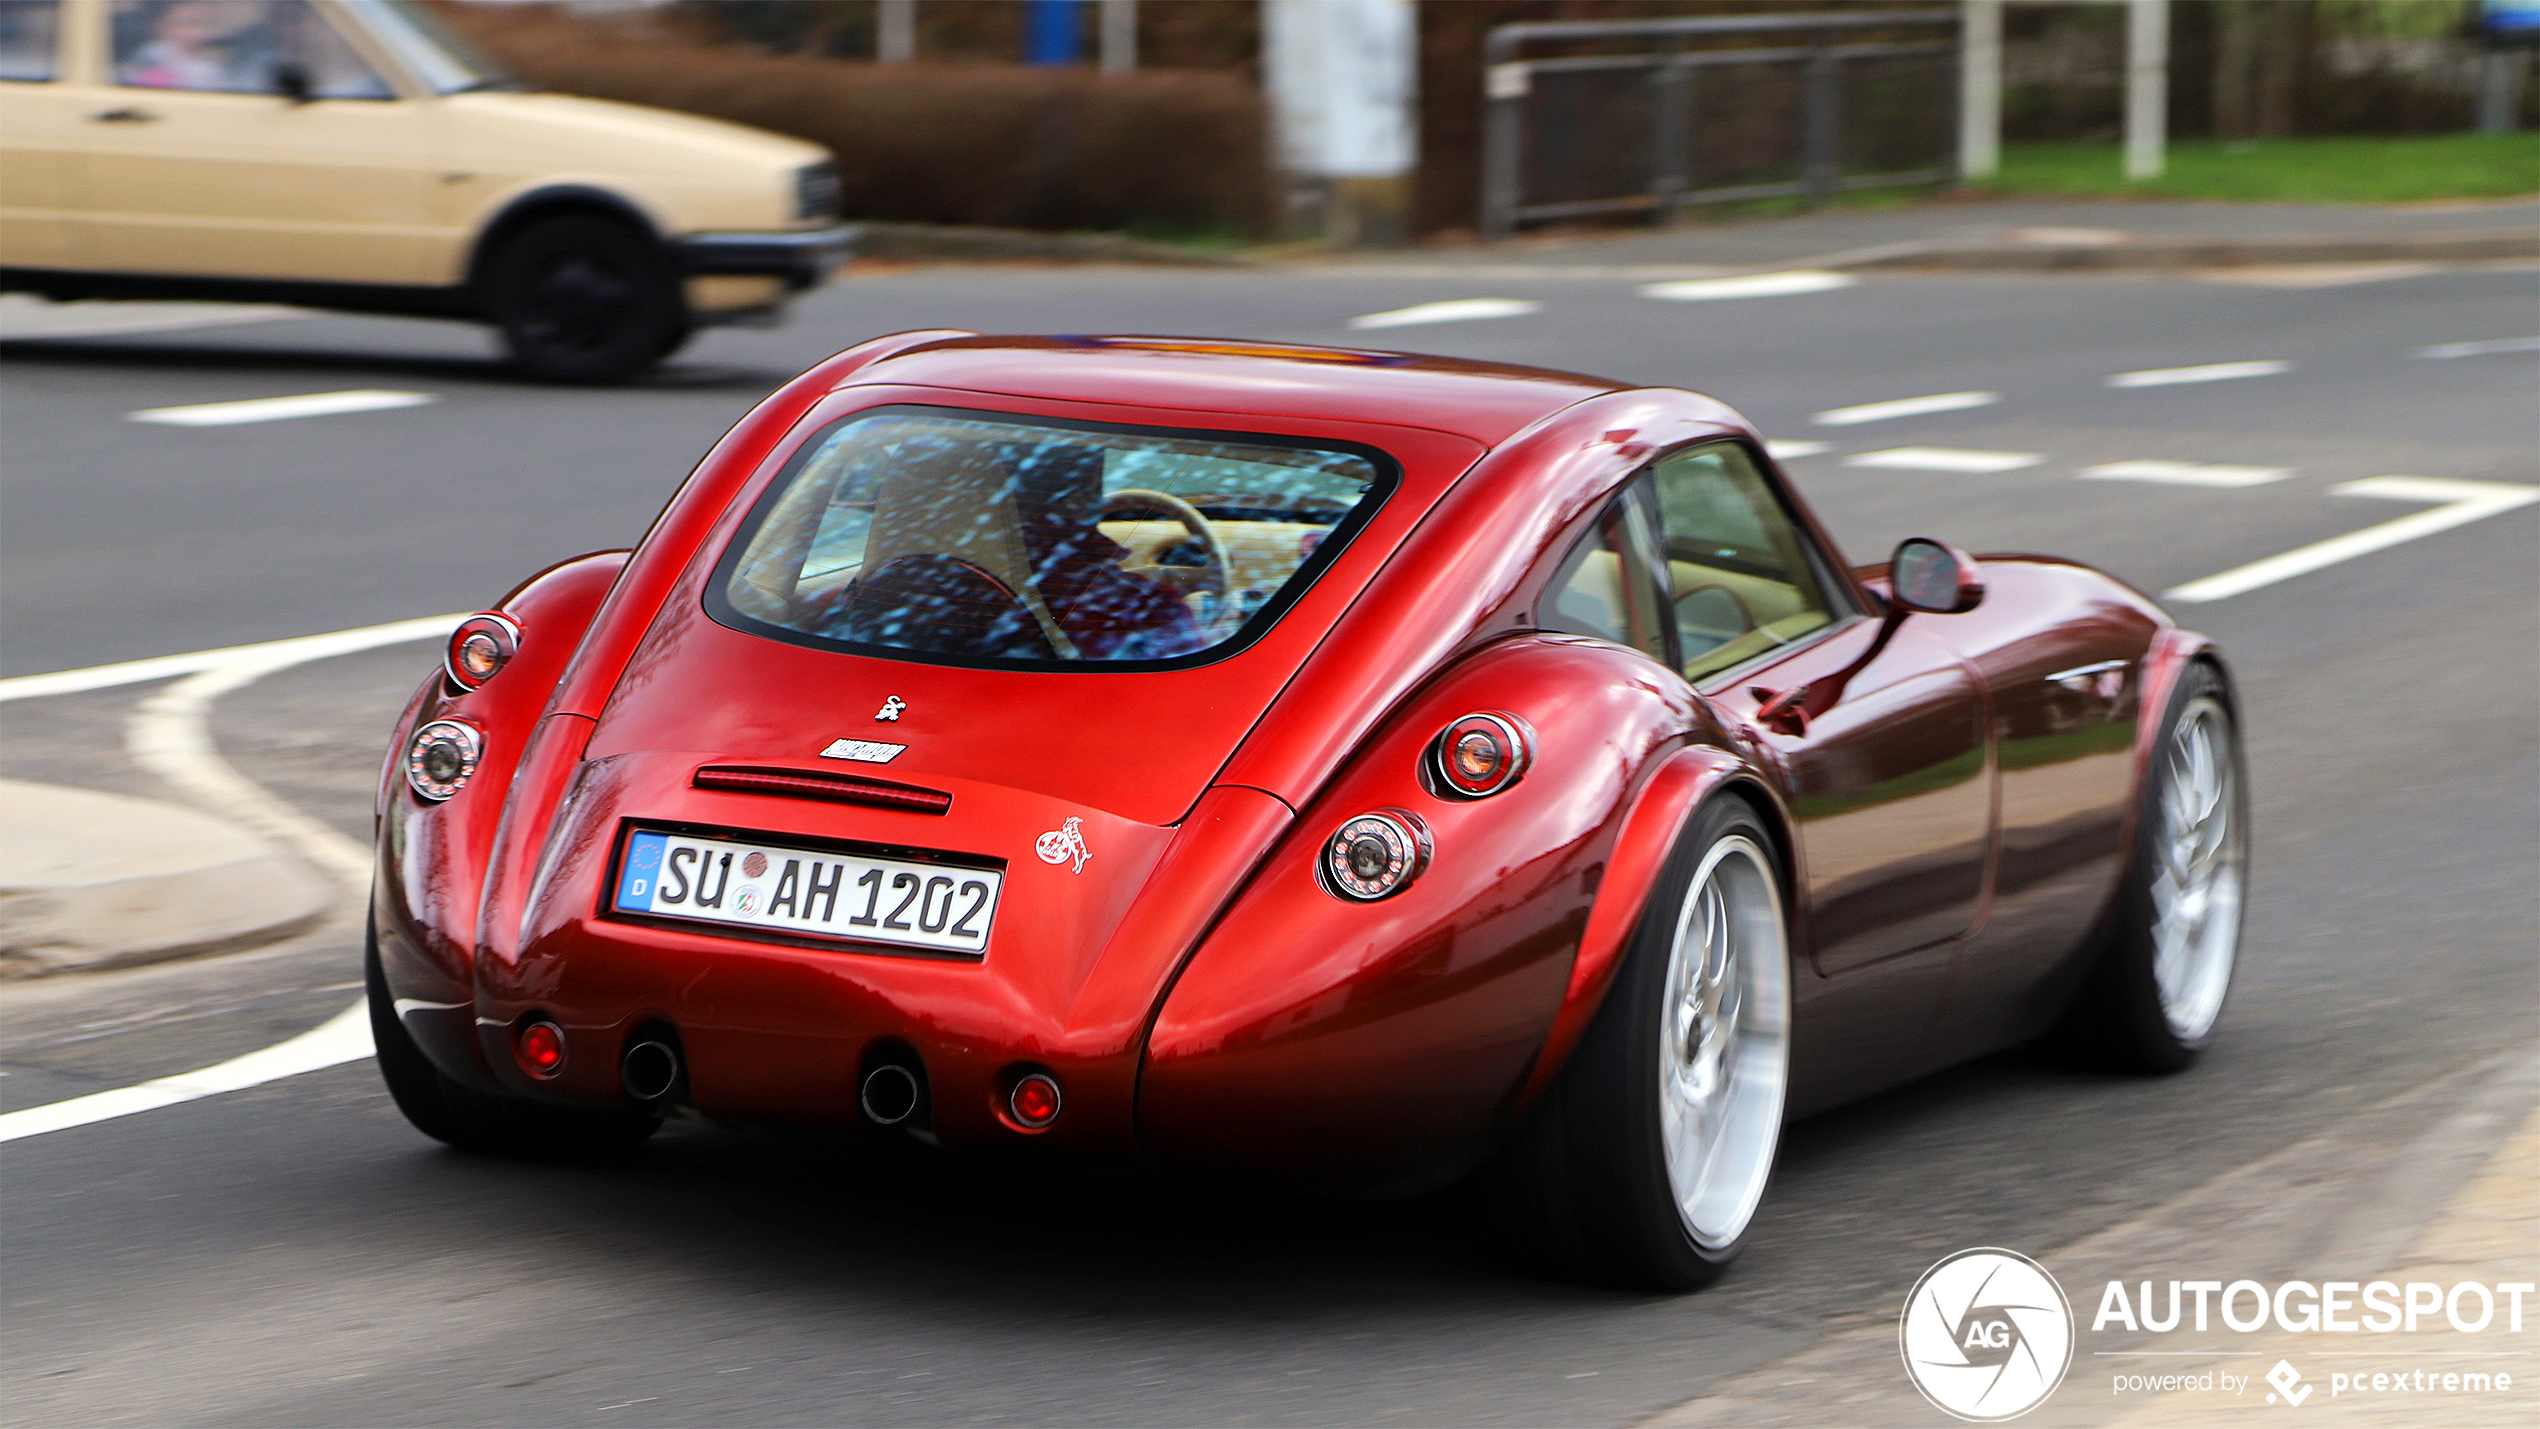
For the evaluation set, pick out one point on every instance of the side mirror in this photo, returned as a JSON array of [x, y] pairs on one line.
[[1935, 577], [291, 81]]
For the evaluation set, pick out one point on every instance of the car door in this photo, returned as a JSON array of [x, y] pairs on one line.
[[197, 161], [35, 136], [1889, 784]]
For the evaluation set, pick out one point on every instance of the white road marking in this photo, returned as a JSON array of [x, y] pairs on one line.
[[169, 735], [2462, 503], [23, 316], [278, 409], [1944, 459], [1793, 451], [345, 1037], [1458, 310], [1753, 285], [2210, 372], [2185, 473], [2481, 349], [1904, 407], [268, 655]]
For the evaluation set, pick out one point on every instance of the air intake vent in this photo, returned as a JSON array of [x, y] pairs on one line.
[[839, 788]]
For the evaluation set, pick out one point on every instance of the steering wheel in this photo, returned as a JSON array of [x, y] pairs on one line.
[[1215, 577]]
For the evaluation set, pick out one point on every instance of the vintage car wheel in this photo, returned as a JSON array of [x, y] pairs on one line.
[[472, 1120], [582, 298], [2151, 1003], [1648, 1158]]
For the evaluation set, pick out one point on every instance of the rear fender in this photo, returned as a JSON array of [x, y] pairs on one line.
[[1379, 1046], [432, 857], [1657, 814]]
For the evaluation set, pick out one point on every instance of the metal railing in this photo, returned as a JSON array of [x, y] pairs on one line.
[[1518, 124]]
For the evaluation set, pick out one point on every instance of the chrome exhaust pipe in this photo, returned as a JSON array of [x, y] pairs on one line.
[[650, 1069], [891, 1094]]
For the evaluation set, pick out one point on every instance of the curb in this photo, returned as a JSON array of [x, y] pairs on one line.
[[90, 881], [964, 243], [2171, 252]]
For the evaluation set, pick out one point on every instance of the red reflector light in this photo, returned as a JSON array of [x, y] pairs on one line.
[[541, 1049], [1034, 1101]]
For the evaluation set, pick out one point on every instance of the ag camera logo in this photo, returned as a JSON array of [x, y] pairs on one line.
[[1987, 1335]]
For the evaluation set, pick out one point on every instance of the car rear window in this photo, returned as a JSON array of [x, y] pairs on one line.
[[983, 538]]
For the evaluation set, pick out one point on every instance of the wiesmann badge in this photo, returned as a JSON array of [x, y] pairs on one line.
[[868, 751]]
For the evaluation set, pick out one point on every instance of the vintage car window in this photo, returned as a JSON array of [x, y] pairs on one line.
[[1737, 564], [983, 538], [27, 34], [236, 47], [443, 61], [1605, 586]]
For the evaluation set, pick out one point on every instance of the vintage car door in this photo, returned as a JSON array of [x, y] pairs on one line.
[[36, 118], [1889, 781], [198, 164]]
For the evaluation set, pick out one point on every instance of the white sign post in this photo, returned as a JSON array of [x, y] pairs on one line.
[[2147, 87], [1343, 82]]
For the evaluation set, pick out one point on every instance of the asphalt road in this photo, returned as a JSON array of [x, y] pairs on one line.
[[295, 1254]]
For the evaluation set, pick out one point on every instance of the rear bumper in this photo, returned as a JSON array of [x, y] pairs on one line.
[[803, 259]]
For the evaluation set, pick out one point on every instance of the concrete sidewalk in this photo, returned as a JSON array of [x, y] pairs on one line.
[[90, 881], [2027, 233]]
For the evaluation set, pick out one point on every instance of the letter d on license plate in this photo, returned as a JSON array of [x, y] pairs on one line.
[[816, 892]]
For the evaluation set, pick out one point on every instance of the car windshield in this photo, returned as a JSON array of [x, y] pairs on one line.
[[437, 57], [979, 538]]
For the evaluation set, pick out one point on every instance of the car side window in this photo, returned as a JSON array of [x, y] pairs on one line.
[[1605, 587], [1738, 569], [28, 30], [237, 47]]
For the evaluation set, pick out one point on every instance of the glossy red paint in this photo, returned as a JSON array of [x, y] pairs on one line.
[[1953, 820]]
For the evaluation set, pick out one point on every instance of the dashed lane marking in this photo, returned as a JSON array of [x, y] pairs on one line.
[[2210, 372], [279, 409], [2185, 473], [1944, 459], [1793, 451], [1457, 310], [269, 653], [1753, 285], [2462, 503], [2480, 349], [1904, 407], [345, 1037]]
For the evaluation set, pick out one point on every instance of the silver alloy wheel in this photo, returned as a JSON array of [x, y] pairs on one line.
[[1724, 1051], [2196, 885]]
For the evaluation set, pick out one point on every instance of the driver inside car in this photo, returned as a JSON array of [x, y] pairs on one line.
[[995, 550]]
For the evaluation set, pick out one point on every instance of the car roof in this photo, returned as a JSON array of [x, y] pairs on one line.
[[1485, 401]]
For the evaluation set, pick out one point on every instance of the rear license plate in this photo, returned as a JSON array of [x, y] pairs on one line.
[[792, 890]]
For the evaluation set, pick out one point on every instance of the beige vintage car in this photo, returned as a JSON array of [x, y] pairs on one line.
[[352, 154]]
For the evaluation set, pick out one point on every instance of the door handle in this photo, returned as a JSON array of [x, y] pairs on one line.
[[125, 116], [1784, 712]]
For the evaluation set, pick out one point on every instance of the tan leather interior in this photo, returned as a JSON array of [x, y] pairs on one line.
[[963, 508]]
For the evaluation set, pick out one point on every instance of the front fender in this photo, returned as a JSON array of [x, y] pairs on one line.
[[1381, 1046]]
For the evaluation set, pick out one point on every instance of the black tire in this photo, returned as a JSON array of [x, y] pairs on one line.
[[2128, 1015], [1587, 1177], [583, 298], [471, 1120]]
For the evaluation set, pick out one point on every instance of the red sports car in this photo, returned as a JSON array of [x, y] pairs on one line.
[[1349, 768]]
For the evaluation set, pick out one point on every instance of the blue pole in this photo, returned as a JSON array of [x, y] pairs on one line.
[[1052, 35]]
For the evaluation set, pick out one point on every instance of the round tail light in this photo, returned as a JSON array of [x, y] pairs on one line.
[[1034, 1100], [442, 757], [540, 1049], [1481, 754], [1375, 855], [480, 648]]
